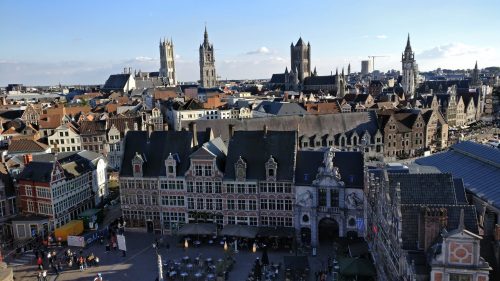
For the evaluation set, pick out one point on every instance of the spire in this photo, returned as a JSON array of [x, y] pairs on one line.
[[286, 70], [205, 36], [475, 67], [314, 72], [342, 71], [337, 71], [408, 46]]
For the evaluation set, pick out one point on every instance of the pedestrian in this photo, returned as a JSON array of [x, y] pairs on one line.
[[98, 277], [39, 276], [97, 261], [114, 246], [39, 262], [44, 275], [81, 263]]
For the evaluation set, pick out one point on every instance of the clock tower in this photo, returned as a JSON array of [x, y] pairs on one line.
[[410, 70]]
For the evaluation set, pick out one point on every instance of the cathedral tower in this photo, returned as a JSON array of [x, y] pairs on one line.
[[167, 63], [301, 59], [475, 81], [410, 70], [208, 77]]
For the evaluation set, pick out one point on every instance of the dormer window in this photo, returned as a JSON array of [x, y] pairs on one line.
[[240, 168], [137, 163], [271, 169], [171, 165]]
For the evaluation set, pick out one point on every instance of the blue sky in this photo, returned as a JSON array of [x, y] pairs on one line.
[[47, 42]]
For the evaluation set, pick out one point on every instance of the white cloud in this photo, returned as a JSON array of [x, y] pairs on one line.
[[453, 50], [382, 36], [457, 56], [141, 58], [260, 51]]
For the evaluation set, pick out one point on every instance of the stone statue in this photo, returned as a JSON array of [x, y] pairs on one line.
[[305, 199]]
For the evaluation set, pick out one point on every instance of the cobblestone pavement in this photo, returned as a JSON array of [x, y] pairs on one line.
[[140, 262]]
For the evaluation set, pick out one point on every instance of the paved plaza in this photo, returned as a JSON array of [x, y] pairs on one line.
[[140, 262]]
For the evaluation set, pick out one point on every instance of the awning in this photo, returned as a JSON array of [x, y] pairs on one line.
[[276, 231], [356, 267], [235, 230], [198, 229]]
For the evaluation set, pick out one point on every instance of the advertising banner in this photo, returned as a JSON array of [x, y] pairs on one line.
[[77, 241]]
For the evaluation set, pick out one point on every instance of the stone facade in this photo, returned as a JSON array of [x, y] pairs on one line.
[[208, 76], [410, 70], [167, 62]]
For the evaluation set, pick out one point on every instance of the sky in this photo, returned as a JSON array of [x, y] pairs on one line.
[[84, 41]]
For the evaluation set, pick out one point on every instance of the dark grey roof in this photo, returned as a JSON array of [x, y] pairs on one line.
[[116, 82], [420, 191], [74, 164], [424, 188], [278, 78], [320, 80], [154, 149], [460, 191], [256, 147], [350, 164], [478, 165], [280, 108], [308, 125]]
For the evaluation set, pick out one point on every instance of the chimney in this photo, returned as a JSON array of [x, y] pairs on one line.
[[435, 219], [265, 130], [27, 158], [192, 128], [124, 70], [231, 130]]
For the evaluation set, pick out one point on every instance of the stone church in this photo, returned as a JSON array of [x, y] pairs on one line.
[[208, 76]]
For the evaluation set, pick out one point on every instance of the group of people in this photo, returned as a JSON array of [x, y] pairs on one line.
[[53, 262]]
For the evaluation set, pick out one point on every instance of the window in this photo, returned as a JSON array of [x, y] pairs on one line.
[[31, 206], [199, 203], [334, 198], [28, 191], [263, 204], [241, 205], [44, 208], [230, 204], [210, 204], [209, 187], [252, 205], [230, 188], [218, 188], [322, 197], [208, 171], [199, 187], [218, 204], [198, 170], [42, 192], [190, 203], [190, 186]]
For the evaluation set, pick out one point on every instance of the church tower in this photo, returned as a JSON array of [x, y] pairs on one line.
[[208, 77], [167, 63], [301, 59], [410, 70], [475, 81]]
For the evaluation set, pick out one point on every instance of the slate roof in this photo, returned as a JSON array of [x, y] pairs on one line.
[[256, 147], [319, 80], [26, 146], [116, 82], [350, 164], [478, 165], [280, 108], [278, 78], [73, 163], [93, 127], [419, 191], [154, 149], [308, 125]]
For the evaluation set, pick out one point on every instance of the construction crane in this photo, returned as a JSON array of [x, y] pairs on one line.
[[373, 59]]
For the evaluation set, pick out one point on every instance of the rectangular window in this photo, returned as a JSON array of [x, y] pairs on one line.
[[230, 188], [241, 188], [209, 187], [263, 204], [190, 203], [252, 205], [31, 206], [218, 188], [210, 204], [208, 170], [199, 203], [199, 186], [230, 204], [28, 190], [241, 205], [218, 204], [198, 170], [334, 198], [272, 204], [190, 186], [253, 221], [252, 188], [322, 197]]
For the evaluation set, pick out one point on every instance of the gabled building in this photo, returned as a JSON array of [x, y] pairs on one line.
[[60, 186], [66, 138], [410, 217]]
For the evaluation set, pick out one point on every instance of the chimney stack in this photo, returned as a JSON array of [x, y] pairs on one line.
[[231, 130], [193, 129], [27, 158]]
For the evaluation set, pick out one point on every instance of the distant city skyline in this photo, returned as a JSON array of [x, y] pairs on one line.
[[83, 42]]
